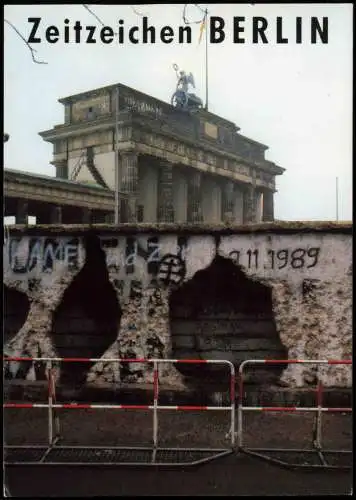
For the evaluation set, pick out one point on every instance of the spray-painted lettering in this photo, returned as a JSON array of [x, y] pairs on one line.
[[27, 253], [297, 258]]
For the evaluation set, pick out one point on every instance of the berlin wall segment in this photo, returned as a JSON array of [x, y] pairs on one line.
[[307, 273]]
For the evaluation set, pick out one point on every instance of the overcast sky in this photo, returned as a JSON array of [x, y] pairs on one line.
[[297, 99]]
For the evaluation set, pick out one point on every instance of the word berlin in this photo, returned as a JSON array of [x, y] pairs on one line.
[[253, 30]]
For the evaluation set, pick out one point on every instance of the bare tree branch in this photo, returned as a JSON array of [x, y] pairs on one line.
[[26, 42], [93, 14], [138, 13], [96, 17], [200, 8], [185, 20]]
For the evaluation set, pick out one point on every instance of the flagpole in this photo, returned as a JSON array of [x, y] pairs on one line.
[[206, 59], [117, 178]]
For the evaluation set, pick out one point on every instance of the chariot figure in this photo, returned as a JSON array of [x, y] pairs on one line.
[[182, 98]]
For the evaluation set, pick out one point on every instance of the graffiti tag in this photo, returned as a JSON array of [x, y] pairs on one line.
[[26, 254], [171, 270]]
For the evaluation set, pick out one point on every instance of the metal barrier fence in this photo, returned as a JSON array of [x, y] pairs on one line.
[[265, 453], [55, 454]]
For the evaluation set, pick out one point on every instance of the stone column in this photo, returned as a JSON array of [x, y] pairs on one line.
[[98, 217], [268, 205], [195, 213], [227, 210], [249, 204], [109, 218], [86, 215], [56, 215], [259, 201], [61, 169], [129, 185], [165, 193], [22, 212], [180, 195], [238, 204]]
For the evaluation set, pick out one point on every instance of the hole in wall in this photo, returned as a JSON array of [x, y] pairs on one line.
[[222, 314], [16, 307], [87, 320]]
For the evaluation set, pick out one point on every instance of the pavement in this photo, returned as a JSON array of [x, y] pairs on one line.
[[230, 476], [235, 474]]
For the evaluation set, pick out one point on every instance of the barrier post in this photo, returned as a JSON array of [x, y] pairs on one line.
[[318, 409], [92, 454], [50, 405], [319, 415], [318, 437], [240, 411], [232, 402], [155, 405], [55, 412]]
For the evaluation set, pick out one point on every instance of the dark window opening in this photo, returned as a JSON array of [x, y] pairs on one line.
[[90, 113], [16, 308], [124, 210]]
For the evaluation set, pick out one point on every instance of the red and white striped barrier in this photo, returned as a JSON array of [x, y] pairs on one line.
[[294, 361], [294, 408], [53, 405], [319, 409], [118, 360], [79, 406]]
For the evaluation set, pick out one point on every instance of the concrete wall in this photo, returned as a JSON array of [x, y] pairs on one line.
[[122, 280]]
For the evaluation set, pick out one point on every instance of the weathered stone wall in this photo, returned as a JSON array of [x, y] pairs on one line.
[[306, 266]]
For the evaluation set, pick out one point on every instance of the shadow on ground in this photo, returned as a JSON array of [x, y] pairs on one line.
[[236, 474], [233, 475]]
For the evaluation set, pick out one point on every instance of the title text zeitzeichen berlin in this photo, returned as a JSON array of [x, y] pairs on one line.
[[255, 30]]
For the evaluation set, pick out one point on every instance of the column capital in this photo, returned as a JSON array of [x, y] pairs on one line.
[[61, 167]]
